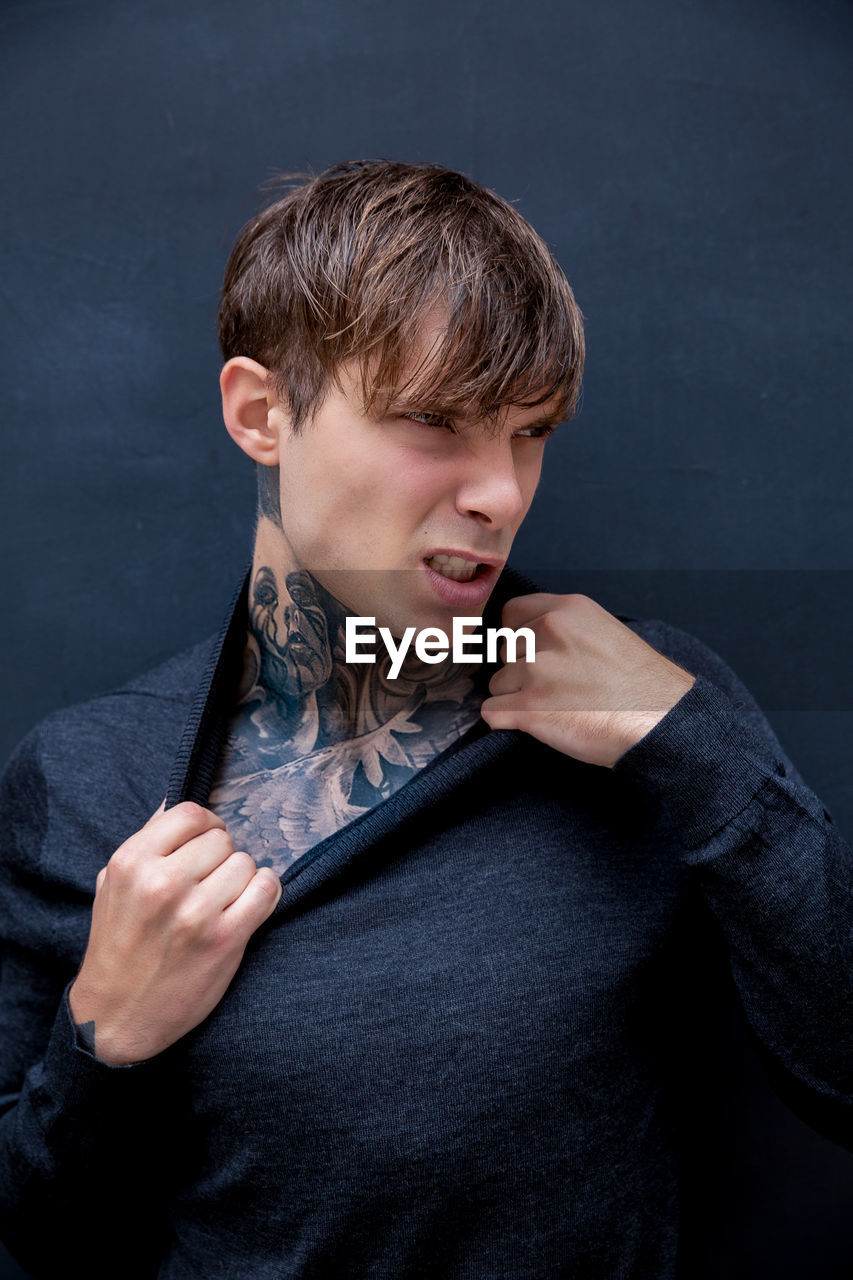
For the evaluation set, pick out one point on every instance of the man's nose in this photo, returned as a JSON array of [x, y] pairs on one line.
[[491, 489]]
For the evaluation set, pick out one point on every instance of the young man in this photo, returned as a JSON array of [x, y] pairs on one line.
[[392, 982]]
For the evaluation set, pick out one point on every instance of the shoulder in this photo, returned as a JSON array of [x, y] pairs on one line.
[[123, 733], [87, 776], [691, 653], [680, 646], [719, 687], [718, 714]]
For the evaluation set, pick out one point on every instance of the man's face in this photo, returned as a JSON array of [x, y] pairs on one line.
[[368, 502]]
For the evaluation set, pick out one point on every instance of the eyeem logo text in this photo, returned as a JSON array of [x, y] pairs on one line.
[[433, 645]]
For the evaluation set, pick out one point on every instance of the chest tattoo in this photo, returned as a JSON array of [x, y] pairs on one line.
[[313, 743]]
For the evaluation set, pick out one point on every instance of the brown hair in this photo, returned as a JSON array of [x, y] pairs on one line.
[[350, 264]]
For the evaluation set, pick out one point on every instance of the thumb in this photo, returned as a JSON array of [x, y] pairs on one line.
[[278, 888]]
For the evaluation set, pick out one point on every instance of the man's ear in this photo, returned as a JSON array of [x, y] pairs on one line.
[[253, 415]]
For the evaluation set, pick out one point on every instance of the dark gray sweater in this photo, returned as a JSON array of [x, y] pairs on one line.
[[456, 1048]]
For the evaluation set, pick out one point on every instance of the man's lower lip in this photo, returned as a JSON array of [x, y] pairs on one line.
[[463, 594]]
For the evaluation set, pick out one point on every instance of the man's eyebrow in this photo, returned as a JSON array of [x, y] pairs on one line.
[[433, 405], [422, 404]]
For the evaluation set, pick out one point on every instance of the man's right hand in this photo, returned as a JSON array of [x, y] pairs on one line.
[[174, 909]]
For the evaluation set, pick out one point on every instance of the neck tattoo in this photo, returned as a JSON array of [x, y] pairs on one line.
[[313, 742]]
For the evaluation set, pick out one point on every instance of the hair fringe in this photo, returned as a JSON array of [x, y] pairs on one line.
[[352, 265]]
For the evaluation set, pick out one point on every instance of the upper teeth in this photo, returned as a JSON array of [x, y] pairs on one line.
[[453, 567]]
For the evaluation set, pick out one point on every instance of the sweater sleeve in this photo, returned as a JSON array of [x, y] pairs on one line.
[[83, 1143], [775, 872]]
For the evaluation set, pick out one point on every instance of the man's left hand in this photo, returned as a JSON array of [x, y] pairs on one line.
[[594, 689]]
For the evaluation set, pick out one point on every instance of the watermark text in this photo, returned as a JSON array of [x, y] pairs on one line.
[[431, 644]]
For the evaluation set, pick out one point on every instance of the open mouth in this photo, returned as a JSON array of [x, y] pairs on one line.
[[456, 568]]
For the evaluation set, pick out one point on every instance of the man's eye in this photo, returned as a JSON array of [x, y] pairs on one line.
[[430, 420], [536, 433]]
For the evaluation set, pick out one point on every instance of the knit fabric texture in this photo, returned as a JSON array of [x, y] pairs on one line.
[[456, 1049]]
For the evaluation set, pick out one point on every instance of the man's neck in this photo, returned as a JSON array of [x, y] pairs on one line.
[[295, 661]]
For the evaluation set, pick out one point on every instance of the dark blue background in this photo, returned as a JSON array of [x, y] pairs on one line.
[[690, 165]]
